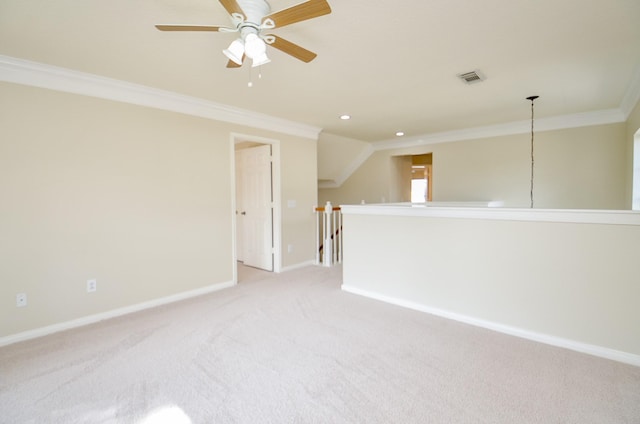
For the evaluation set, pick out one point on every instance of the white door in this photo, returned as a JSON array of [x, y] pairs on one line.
[[257, 207]]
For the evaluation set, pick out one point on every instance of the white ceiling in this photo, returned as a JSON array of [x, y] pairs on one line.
[[391, 65]]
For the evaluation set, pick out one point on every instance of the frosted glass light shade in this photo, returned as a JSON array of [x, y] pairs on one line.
[[260, 60], [254, 46], [235, 51]]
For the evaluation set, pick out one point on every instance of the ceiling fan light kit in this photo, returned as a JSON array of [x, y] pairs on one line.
[[255, 49], [235, 51], [250, 18]]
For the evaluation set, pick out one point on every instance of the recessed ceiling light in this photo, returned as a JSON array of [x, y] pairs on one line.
[[345, 117], [399, 134]]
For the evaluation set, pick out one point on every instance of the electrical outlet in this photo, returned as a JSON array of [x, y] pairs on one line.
[[21, 300], [92, 285], [289, 248]]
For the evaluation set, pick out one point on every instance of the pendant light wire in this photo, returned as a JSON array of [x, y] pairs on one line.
[[532, 98]]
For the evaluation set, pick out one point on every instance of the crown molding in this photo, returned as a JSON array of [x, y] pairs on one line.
[[602, 117], [350, 169], [41, 75], [328, 184], [632, 97]]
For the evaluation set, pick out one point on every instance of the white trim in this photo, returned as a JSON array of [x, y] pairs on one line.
[[578, 216], [602, 117], [92, 319], [277, 205], [276, 183], [234, 211], [350, 169], [599, 351], [635, 178], [632, 97], [298, 266], [328, 184], [36, 74]]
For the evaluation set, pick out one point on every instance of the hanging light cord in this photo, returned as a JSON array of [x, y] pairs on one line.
[[532, 98]]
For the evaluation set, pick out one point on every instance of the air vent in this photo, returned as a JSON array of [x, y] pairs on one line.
[[471, 77]]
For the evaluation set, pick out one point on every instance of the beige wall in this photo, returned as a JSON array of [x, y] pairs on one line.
[[370, 182], [332, 165], [138, 198], [299, 183], [574, 168], [576, 282]]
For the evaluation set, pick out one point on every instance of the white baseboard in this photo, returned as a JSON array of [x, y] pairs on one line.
[[297, 266], [602, 352], [91, 319]]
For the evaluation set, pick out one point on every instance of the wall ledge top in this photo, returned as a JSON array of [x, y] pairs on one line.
[[490, 212]]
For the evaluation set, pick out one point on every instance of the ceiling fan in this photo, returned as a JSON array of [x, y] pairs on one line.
[[251, 18]]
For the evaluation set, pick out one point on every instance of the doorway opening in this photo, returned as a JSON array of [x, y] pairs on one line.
[[414, 177], [256, 214], [421, 178]]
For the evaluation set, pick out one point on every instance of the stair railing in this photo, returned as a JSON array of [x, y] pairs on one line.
[[328, 235]]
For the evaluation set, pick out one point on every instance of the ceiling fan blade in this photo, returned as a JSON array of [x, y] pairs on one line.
[[188, 28], [300, 12], [232, 7], [292, 49], [232, 64]]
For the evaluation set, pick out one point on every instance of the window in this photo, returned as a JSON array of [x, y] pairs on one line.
[[419, 191], [635, 203]]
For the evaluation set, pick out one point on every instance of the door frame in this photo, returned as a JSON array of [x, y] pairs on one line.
[[276, 188]]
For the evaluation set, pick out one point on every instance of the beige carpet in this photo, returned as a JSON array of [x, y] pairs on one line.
[[293, 348]]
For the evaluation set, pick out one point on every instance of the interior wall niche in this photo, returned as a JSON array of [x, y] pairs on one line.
[[414, 177]]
